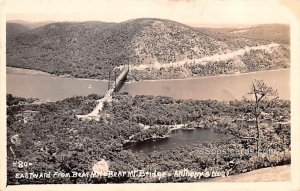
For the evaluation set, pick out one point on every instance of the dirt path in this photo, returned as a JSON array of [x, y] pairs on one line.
[[95, 113], [278, 173]]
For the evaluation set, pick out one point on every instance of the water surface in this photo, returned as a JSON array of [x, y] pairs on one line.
[[53, 88], [222, 88], [178, 138]]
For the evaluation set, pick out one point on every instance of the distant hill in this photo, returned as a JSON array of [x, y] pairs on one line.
[[31, 25], [14, 29], [278, 33], [91, 49]]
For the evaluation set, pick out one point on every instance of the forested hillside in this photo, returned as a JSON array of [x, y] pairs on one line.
[[54, 140], [14, 29], [92, 49]]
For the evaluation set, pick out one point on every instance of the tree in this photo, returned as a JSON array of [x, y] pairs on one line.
[[260, 101], [264, 98]]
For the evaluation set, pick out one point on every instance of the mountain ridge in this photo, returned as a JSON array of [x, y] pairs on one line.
[[92, 49]]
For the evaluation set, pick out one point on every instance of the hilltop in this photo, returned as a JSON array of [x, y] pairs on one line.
[[31, 25], [14, 29], [92, 49]]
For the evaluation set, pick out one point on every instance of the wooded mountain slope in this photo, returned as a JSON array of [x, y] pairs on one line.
[[91, 49]]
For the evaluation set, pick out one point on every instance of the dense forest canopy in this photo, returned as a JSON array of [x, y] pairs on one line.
[[53, 139]]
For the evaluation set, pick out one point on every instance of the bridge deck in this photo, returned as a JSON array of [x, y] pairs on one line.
[[119, 81]]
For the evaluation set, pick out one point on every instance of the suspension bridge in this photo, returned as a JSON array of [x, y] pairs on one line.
[[118, 82]]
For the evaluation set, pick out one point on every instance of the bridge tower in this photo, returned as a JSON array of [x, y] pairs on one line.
[[115, 78], [108, 85]]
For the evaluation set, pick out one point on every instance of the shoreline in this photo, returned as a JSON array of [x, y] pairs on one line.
[[25, 71], [41, 73], [215, 76], [167, 135], [31, 72]]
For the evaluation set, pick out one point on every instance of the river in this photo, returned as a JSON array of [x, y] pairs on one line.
[[46, 87], [223, 88]]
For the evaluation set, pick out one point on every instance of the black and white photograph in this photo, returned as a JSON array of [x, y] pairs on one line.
[[147, 91]]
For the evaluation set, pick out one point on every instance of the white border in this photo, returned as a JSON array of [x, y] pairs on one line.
[[272, 186]]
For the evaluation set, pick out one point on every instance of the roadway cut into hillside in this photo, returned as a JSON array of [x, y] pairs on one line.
[[202, 61]]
